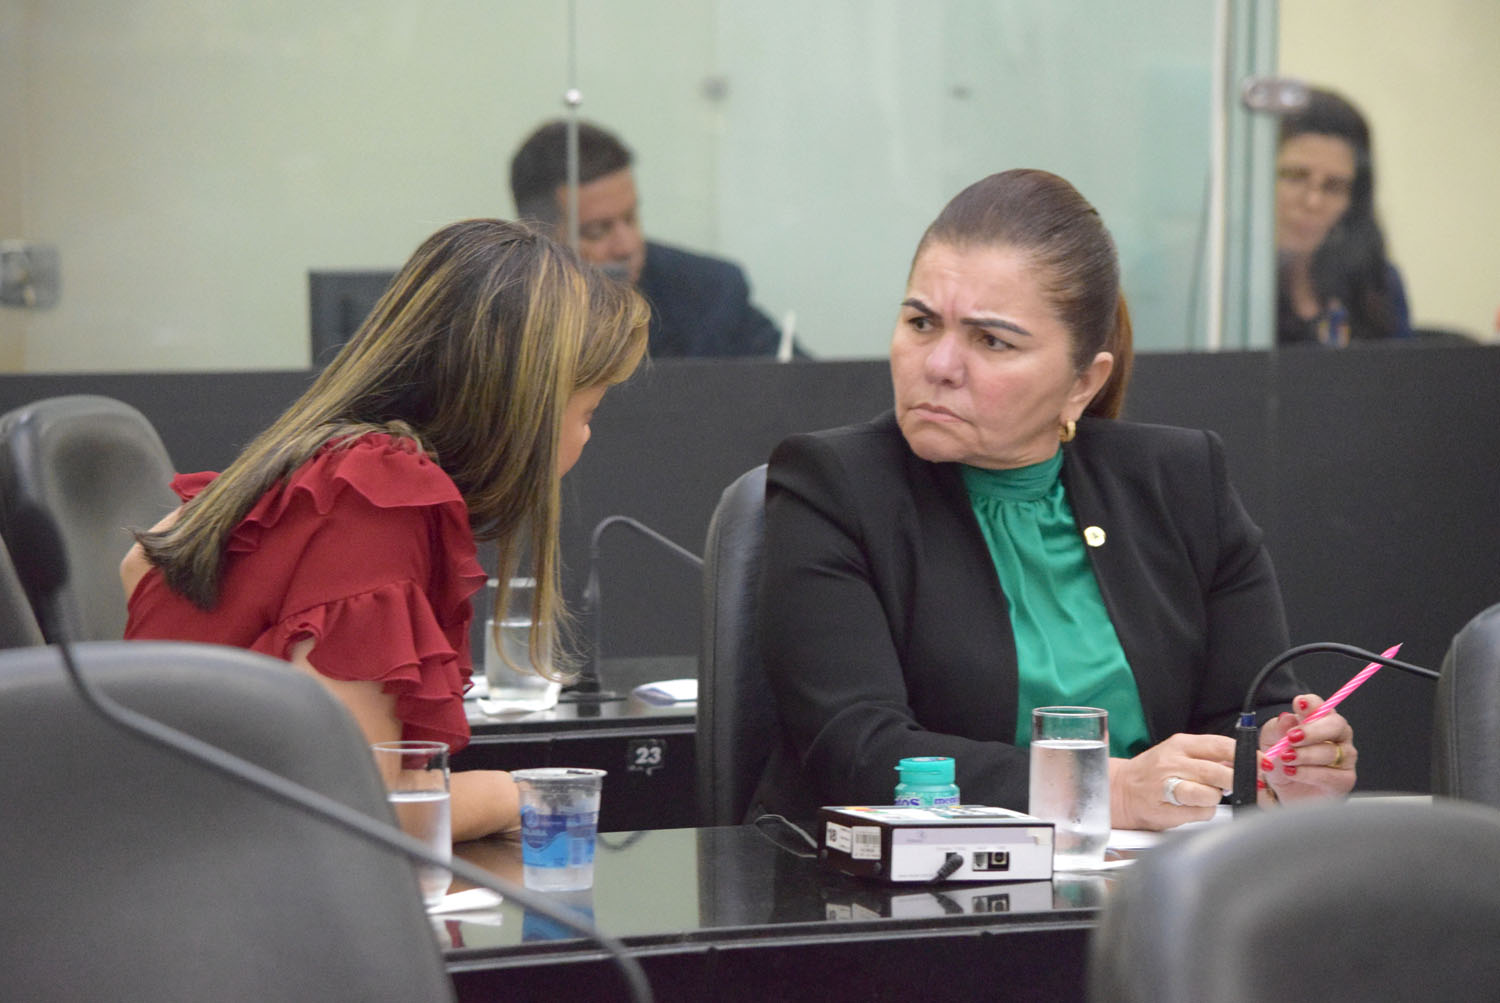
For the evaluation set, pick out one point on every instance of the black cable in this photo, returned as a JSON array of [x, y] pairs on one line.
[[624, 844], [950, 864], [1332, 647], [788, 823], [946, 903], [589, 684], [1247, 731]]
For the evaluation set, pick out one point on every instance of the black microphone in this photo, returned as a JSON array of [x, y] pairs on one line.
[[45, 576], [1247, 732], [588, 685]]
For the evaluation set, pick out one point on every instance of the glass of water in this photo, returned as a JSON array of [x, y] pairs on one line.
[[526, 687], [416, 782], [1070, 782]]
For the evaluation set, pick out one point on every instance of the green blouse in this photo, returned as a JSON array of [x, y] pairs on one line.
[[1067, 651]]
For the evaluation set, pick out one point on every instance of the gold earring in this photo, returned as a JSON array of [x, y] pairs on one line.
[[1066, 432]]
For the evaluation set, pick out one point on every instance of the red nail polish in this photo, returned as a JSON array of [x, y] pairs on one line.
[[1260, 783], [1289, 756], [1266, 764], [1302, 703], [1296, 735], [1291, 771]]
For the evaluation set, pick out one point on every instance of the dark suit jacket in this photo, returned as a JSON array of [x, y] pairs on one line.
[[701, 306], [886, 634]]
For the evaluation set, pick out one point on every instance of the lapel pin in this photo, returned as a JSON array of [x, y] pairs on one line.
[[1093, 536]]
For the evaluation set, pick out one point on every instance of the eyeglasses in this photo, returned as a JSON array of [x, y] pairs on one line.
[[1301, 180]]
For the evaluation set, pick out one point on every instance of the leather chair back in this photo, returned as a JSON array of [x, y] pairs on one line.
[[18, 627], [132, 873], [1374, 899], [737, 724], [99, 468], [1466, 714]]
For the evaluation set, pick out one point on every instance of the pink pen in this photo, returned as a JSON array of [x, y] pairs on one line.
[[1333, 701]]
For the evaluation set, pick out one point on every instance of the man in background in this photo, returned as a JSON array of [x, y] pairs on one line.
[[700, 305]]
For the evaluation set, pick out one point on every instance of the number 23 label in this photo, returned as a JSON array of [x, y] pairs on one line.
[[645, 755]]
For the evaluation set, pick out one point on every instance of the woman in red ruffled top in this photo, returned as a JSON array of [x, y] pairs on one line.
[[343, 538]]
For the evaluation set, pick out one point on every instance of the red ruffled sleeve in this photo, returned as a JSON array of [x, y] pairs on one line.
[[367, 548], [390, 634], [187, 486]]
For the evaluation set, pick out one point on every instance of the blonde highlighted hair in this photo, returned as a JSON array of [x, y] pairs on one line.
[[473, 353]]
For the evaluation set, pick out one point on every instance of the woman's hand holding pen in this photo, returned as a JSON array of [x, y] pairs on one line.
[[1320, 760]]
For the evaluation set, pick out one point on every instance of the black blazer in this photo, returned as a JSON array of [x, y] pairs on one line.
[[701, 306], [886, 634]]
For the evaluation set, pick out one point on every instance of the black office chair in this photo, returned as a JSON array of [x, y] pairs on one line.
[[1345, 900], [1466, 714], [99, 468], [18, 627], [737, 724], [129, 873]]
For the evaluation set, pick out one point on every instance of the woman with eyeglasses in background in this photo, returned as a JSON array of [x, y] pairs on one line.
[[1334, 282]]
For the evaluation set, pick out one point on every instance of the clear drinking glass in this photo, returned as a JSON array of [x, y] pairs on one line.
[[1070, 782], [416, 782], [509, 689]]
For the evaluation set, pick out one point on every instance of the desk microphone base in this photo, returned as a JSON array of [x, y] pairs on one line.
[[601, 696]]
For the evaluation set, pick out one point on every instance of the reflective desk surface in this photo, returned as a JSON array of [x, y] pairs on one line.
[[746, 912], [749, 907]]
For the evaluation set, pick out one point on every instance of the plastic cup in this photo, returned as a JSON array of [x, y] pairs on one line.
[[1070, 782], [416, 783], [559, 826]]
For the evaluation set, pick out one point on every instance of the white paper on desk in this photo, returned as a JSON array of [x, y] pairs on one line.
[[466, 904], [1140, 839], [495, 709], [668, 691]]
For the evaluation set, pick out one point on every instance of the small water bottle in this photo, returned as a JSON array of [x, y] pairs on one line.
[[926, 782]]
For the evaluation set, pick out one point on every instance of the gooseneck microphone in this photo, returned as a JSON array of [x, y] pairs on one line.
[[44, 578], [1247, 732], [588, 685]]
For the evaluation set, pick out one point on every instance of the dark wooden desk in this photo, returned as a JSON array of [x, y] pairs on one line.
[[647, 750], [731, 913]]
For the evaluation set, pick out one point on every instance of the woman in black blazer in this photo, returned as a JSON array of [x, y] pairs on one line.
[[1136, 579]]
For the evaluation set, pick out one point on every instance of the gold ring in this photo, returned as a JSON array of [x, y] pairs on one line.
[[1338, 755]]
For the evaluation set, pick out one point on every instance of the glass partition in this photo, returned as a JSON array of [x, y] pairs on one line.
[[191, 165], [843, 138]]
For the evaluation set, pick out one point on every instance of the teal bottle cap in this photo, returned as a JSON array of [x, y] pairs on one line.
[[926, 769]]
